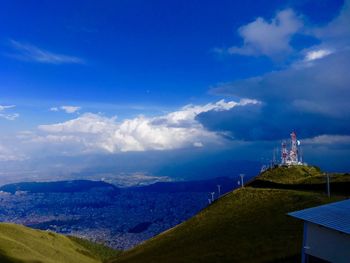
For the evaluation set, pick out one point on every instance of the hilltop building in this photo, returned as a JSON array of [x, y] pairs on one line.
[[326, 232]]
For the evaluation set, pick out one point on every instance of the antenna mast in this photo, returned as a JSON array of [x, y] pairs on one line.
[[242, 183], [219, 190], [212, 196], [294, 151], [274, 157], [284, 153]]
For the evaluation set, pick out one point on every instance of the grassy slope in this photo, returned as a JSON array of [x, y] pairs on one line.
[[99, 251], [290, 175], [247, 225], [300, 175], [23, 244]]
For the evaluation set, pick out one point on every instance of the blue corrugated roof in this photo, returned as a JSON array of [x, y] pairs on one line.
[[335, 215]]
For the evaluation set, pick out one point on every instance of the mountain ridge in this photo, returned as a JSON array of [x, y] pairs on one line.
[[56, 186]]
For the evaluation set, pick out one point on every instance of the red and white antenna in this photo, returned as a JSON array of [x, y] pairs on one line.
[[284, 153], [293, 155]]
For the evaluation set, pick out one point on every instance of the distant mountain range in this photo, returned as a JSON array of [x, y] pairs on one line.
[[211, 185], [208, 185], [97, 210], [57, 187]]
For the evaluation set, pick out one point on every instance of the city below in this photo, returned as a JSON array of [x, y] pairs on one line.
[[118, 217]]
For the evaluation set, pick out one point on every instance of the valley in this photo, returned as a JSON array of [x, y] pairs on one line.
[[117, 217]]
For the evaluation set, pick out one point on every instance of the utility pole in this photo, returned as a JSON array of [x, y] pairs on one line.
[[328, 186], [212, 196], [219, 189], [242, 182]]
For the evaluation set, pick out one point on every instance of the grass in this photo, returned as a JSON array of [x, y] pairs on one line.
[[247, 225], [306, 178], [98, 250], [300, 175], [22, 244], [291, 174]]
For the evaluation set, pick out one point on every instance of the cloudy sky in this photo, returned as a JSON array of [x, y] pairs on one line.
[[137, 91]]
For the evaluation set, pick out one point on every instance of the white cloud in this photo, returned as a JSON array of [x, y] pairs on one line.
[[317, 54], [67, 109], [8, 116], [70, 109], [337, 32], [10, 154], [328, 140], [334, 37], [96, 133], [87, 123], [188, 113], [272, 38], [28, 52], [310, 56], [198, 144], [4, 107], [54, 109], [312, 94], [269, 38]]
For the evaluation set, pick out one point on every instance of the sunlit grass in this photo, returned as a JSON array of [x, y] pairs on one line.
[[248, 225], [23, 244]]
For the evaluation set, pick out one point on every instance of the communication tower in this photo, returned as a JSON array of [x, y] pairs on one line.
[[284, 153], [292, 156]]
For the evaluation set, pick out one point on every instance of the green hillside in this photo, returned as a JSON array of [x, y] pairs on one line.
[[299, 175], [306, 178], [290, 174], [23, 244], [247, 225]]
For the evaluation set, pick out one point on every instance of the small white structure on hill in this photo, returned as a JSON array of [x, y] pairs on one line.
[[326, 232]]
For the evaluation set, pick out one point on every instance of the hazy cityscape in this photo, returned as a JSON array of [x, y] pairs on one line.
[[120, 219]]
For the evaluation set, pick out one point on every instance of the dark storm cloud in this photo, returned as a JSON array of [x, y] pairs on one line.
[[311, 96], [311, 99]]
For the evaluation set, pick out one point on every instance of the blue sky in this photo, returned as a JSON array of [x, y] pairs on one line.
[[219, 78]]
